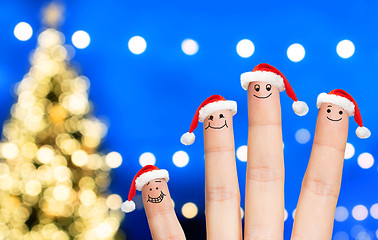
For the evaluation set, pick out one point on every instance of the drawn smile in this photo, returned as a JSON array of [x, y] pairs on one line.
[[262, 97], [335, 120], [224, 125], [157, 199]]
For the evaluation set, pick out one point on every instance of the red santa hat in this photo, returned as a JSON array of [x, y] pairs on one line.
[[143, 176], [267, 73], [344, 100], [212, 104]]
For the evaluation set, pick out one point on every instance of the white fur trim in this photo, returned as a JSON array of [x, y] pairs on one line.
[[149, 176], [300, 108], [128, 206], [262, 76], [217, 106], [188, 138], [363, 132], [338, 100]]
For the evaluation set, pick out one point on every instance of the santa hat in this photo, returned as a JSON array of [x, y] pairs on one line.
[[344, 100], [212, 104], [143, 176], [266, 73]]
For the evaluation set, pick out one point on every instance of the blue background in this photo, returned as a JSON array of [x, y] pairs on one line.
[[150, 99]]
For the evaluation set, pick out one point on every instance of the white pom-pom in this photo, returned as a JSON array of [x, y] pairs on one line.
[[128, 206], [188, 138], [300, 108], [363, 132]]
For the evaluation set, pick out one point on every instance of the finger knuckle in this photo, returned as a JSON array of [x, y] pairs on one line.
[[321, 187]]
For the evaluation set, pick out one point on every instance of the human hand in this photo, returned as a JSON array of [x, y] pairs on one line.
[[264, 210]]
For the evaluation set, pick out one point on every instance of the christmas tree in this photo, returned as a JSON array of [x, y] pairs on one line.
[[53, 181]]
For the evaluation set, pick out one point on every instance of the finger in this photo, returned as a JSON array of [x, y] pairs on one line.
[[321, 184], [265, 167], [223, 219], [160, 213]]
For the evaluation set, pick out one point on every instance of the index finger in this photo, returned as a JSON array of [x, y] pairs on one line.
[[321, 184]]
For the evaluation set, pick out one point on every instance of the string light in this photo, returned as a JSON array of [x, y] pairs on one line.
[[53, 182]]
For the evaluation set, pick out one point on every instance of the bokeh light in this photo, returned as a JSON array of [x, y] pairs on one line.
[[286, 215], [245, 48], [365, 160], [113, 159], [341, 236], [302, 136], [374, 211], [137, 45], [293, 213], [241, 213], [360, 212], [81, 39], [189, 210], [345, 49], [189, 46], [341, 214], [180, 158], [241, 153], [23, 31], [147, 158], [349, 151], [296, 52]]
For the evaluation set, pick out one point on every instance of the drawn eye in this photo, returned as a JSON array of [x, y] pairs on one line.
[[340, 112], [150, 189], [157, 188], [257, 87], [221, 115], [328, 110], [211, 118], [268, 87]]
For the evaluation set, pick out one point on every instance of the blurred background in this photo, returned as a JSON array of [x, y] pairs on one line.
[[150, 64]]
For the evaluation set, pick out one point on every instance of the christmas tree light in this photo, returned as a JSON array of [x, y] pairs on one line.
[[53, 181]]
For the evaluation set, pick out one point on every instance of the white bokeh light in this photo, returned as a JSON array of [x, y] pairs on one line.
[[241, 153], [137, 45], [341, 214], [286, 214], [180, 158], [189, 46], [302, 136], [360, 212], [349, 151], [296, 52], [245, 48], [81, 39], [374, 211], [365, 160], [345, 49], [293, 213], [23, 31], [341, 236], [241, 213], [147, 158]]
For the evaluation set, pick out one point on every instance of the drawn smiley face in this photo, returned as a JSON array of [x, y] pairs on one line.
[[217, 120], [335, 113], [155, 189], [262, 90]]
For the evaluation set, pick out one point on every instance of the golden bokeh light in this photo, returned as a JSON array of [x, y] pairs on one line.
[[53, 180], [189, 210]]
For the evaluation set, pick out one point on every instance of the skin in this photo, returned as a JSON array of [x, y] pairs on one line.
[[221, 182], [321, 183], [265, 167], [161, 216], [264, 211]]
